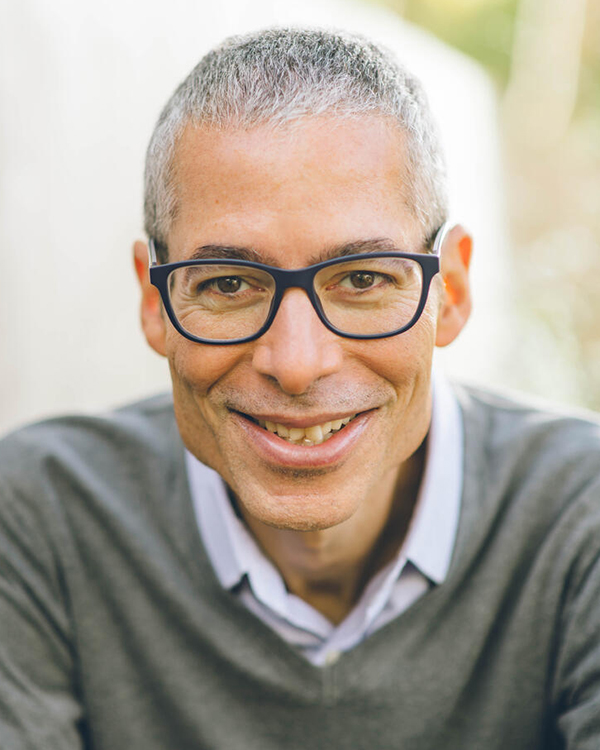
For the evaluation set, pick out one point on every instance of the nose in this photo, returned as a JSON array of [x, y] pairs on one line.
[[297, 349]]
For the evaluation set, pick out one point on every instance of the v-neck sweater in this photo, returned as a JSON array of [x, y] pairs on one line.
[[421, 561], [116, 635]]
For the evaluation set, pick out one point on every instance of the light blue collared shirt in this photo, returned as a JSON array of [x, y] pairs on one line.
[[422, 561]]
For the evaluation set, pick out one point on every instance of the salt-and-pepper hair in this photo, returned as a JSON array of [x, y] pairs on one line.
[[282, 75]]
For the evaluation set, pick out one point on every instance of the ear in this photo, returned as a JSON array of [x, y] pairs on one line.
[[153, 322], [455, 307]]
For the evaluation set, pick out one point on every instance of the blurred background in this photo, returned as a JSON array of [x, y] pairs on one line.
[[515, 86], [543, 57]]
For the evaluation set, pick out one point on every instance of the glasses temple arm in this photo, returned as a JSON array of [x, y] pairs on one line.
[[440, 237], [152, 252]]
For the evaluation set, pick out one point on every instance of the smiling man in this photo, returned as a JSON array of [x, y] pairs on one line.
[[313, 543]]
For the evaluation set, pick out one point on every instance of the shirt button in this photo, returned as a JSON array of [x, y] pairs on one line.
[[332, 657]]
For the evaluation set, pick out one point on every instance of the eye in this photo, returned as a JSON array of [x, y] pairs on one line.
[[229, 284], [226, 285], [362, 280]]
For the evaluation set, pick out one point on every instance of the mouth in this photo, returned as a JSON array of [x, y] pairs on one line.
[[300, 443], [314, 434]]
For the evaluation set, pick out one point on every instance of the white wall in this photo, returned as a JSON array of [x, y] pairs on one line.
[[81, 85]]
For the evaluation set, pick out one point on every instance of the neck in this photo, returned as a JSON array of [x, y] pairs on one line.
[[330, 568]]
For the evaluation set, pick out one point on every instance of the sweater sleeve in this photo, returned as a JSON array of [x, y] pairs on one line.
[[577, 674], [39, 709]]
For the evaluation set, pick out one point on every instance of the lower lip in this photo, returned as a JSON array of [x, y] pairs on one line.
[[277, 451]]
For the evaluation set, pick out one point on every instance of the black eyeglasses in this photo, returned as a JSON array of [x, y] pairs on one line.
[[362, 296]]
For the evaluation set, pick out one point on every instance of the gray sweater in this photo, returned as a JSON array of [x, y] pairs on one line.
[[115, 634]]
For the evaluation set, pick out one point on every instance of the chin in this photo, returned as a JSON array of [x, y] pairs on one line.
[[295, 512]]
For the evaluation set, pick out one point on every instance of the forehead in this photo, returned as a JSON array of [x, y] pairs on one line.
[[291, 191]]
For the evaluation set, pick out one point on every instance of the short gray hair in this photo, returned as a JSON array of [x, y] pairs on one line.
[[281, 75]]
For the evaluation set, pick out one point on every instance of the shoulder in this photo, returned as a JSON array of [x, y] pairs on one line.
[[133, 419], [81, 447], [523, 430], [532, 476]]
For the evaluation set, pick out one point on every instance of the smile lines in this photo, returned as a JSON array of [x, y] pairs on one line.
[[313, 435]]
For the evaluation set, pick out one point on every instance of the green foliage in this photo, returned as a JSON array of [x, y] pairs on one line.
[[482, 29]]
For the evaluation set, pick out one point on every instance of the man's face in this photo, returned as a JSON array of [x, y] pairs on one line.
[[291, 195]]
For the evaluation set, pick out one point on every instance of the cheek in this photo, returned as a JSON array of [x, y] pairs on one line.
[[405, 358], [197, 367]]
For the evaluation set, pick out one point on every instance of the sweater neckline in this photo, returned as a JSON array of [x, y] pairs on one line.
[[205, 579]]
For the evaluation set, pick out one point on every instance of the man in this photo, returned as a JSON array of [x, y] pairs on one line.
[[305, 547]]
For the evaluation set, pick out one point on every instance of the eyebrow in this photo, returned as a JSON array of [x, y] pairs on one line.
[[375, 245], [233, 252], [230, 252]]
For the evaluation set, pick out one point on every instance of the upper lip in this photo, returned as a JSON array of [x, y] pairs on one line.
[[304, 421]]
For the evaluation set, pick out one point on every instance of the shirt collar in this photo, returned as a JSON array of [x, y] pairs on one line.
[[429, 544], [430, 540]]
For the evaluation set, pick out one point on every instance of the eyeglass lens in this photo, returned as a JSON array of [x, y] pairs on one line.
[[369, 296]]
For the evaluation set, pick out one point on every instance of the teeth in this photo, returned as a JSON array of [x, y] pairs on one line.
[[313, 435]]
